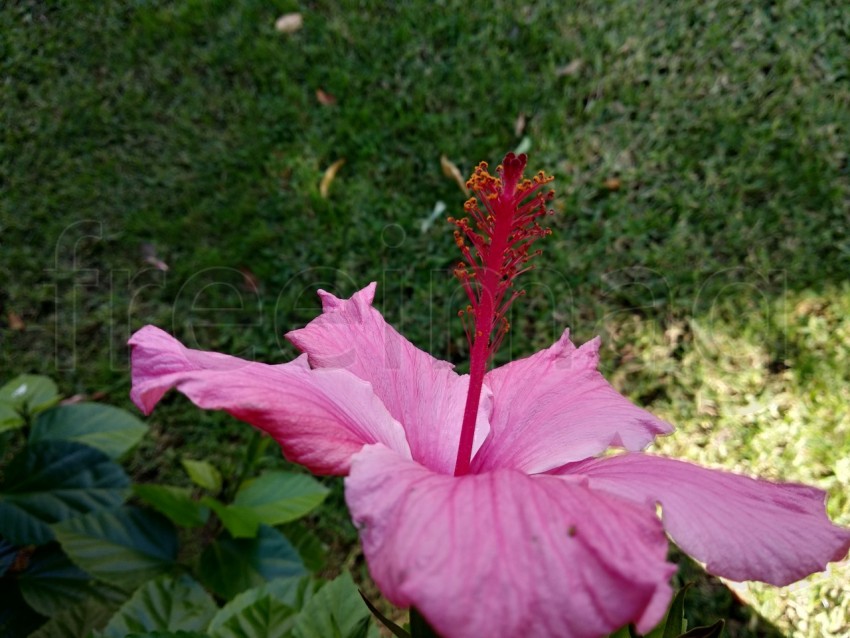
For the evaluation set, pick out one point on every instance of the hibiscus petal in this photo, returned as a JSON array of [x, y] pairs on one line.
[[423, 393], [504, 554], [319, 417], [555, 407], [741, 528]]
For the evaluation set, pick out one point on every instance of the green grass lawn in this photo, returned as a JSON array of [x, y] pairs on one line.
[[700, 150]]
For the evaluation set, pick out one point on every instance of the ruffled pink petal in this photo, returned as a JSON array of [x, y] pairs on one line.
[[503, 554], [555, 407], [741, 528], [319, 417], [423, 393]]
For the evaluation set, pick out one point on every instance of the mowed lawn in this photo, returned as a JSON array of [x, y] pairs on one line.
[[700, 150]]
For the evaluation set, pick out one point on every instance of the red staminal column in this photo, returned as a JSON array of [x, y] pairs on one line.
[[496, 247]]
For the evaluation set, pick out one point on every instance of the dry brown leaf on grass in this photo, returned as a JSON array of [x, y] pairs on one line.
[[249, 279], [329, 176], [15, 321], [451, 171], [570, 69], [613, 183], [325, 98], [289, 23]]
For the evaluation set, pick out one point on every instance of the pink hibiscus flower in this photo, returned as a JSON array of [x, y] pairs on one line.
[[481, 499]]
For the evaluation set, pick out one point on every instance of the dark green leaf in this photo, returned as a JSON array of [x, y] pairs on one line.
[[79, 620], [29, 393], [266, 617], [8, 552], [230, 565], [393, 628], [125, 547], [291, 592], [10, 419], [676, 623], [174, 502], [164, 603], [336, 611], [109, 429], [714, 631], [622, 632], [52, 481], [169, 634], [309, 546], [17, 619], [203, 474], [51, 582], [280, 497], [419, 627], [271, 499], [240, 522]]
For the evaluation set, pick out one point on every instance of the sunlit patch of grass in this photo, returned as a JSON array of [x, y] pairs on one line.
[[765, 397]]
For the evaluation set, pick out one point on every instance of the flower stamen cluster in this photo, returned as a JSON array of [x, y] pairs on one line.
[[496, 244]]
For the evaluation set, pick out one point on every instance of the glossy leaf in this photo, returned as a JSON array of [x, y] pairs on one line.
[[52, 481], [271, 499], [109, 429], [280, 497], [265, 617], [309, 546], [291, 592], [169, 634], [676, 623], [203, 474], [230, 565], [17, 619], [240, 522], [336, 610], [10, 419], [124, 547], [51, 582], [174, 502], [29, 393], [8, 553], [79, 620], [165, 604]]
